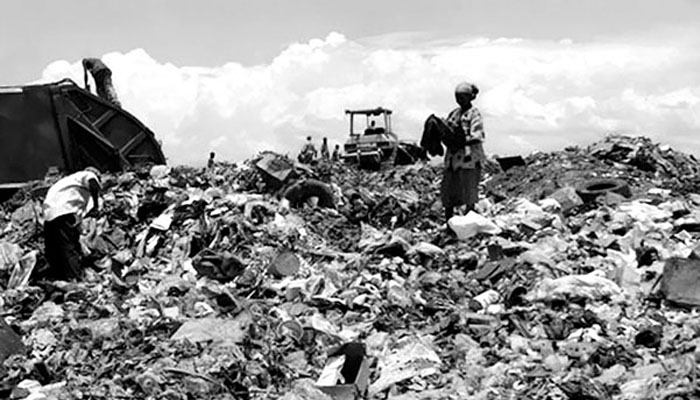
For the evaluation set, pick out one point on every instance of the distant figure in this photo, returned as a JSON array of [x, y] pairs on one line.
[[336, 153], [211, 162], [370, 129], [325, 154], [102, 76], [65, 206], [308, 152]]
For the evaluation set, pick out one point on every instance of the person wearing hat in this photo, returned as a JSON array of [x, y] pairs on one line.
[[66, 203], [463, 163]]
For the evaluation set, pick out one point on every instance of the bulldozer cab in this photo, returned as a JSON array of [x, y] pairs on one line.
[[369, 122], [371, 143]]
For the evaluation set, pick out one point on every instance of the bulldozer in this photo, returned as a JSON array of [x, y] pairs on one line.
[[373, 144], [62, 127]]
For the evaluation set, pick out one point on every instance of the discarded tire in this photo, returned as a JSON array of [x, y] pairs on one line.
[[300, 192], [592, 189]]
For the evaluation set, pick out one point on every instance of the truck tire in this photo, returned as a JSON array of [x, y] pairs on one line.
[[592, 189], [301, 191]]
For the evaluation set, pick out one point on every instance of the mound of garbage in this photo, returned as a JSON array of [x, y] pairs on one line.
[[575, 278], [640, 162]]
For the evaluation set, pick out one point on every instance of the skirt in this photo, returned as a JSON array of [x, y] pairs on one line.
[[460, 187]]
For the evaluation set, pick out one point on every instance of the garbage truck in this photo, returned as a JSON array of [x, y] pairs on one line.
[[61, 126]]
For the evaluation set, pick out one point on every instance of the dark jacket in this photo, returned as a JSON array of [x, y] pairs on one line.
[[433, 132]]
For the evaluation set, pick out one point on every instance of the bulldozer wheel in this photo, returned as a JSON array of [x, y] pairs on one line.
[[592, 189], [301, 191]]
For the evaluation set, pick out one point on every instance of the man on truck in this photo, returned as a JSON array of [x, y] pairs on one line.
[[102, 76]]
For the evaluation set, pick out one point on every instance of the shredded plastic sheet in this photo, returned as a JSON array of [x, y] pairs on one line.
[[407, 358], [592, 286]]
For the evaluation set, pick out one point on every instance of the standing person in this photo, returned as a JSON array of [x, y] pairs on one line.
[[460, 181], [308, 152], [103, 79], [336, 153], [211, 163], [65, 205], [325, 154]]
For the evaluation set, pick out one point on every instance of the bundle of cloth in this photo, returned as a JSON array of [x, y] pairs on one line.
[[436, 133]]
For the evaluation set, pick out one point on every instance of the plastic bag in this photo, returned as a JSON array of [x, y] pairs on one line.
[[471, 224], [592, 286]]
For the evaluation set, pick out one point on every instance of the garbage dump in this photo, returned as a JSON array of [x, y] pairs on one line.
[[569, 280]]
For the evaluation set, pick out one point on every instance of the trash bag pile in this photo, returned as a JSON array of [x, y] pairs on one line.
[[210, 284]]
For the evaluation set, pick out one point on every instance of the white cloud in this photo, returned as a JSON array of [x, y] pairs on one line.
[[534, 94]]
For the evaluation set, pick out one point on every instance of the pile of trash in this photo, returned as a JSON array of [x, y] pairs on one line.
[[638, 161], [243, 283]]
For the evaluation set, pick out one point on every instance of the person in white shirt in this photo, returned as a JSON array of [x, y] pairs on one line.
[[67, 202]]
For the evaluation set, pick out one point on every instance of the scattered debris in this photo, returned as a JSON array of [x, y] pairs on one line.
[[211, 284], [285, 264], [507, 163], [346, 374], [10, 342], [404, 359], [680, 281], [567, 198], [219, 331]]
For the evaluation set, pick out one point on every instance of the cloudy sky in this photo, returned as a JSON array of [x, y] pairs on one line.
[[240, 76]]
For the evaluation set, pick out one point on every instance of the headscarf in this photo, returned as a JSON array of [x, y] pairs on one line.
[[467, 88]]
